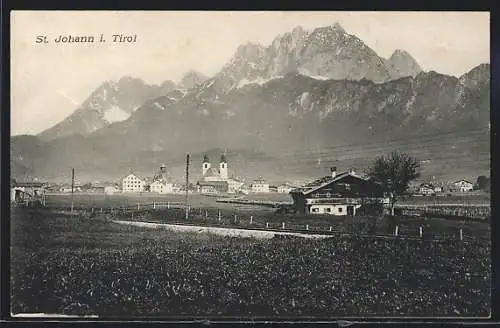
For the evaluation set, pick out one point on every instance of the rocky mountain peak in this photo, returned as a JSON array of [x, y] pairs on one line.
[[403, 64], [191, 79], [476, 76], [336, 26]]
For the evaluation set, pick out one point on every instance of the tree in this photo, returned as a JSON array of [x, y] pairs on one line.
[[394, 172], [483, 183]]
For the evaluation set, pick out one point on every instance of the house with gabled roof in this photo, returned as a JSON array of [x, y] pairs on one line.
[[463, 185], [337, 194], [426, 189], [133, 183]]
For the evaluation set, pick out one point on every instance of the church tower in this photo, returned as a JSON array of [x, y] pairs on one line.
[[205, 165], [223, 167]]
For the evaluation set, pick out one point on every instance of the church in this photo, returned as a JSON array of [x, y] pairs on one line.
[[217, 180]]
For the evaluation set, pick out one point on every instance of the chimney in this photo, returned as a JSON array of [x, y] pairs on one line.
[[333, 171]]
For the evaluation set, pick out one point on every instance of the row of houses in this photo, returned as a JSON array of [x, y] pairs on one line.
[[457, 186]]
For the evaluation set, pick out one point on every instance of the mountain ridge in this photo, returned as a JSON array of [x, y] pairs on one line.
[[292, 114]]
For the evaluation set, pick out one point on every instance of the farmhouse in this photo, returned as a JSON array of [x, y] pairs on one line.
[[259, 186], [426, 189], [463, 185], [133, 183], [111, 189], [337, 194], [284, 189], [26, 191]]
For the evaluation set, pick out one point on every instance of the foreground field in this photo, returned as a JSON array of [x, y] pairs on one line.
[[82, 265], [117, 200]]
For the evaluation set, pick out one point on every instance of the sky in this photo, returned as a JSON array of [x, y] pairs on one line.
[[49, 81]]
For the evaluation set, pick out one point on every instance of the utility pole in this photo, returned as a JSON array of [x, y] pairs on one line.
[[72, 188], [187, 185]]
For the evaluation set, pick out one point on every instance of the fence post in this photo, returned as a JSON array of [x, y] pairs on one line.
[[92, 210], [420, 231], [168, 205], [267, 225], [330, 228], [251, 219], [396, 231], [206, 214], [307, 226], [283, 225], [219, 215], [154, 205], [235, 218], [461, 234], [138, 206], [101, 209]]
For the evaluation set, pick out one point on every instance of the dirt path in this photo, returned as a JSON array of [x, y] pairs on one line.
[[219, 231]]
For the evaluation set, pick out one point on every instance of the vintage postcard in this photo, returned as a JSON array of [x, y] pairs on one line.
[[250, 165]]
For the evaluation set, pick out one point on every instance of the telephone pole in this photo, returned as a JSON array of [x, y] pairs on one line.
[[72, 188], [187, 185]]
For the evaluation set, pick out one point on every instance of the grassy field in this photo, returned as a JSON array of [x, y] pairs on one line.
[[89, 265], [197, 200]]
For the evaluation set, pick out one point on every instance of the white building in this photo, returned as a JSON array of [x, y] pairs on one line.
[[284, 189], [161, 186], [234, 186], [162, 183], [463, 185], [259, 186], [211, 174], [216, 180], [133, 183], [426, 189], [110, 190]]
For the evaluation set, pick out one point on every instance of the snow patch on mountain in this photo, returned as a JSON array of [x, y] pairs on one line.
[[306, 72], [115, 114], [259, 81]]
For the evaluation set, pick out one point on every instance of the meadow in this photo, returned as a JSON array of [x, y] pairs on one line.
[[86, 264]]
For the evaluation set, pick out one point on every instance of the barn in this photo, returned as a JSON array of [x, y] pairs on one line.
[[337, 194]]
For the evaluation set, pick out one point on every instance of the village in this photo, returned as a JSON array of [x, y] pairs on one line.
[[338, 193]]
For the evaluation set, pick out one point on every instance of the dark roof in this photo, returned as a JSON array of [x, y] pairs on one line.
[[322, 182], [462, 180], [223, 159], [212, 183], [205, 159]]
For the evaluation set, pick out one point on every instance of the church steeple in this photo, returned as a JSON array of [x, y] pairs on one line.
[[223, 167], [205, 165]]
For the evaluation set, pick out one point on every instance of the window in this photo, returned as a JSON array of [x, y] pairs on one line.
[[340, 209], [315, 209], [328, 209]]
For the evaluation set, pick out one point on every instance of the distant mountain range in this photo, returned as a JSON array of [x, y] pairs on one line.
[[307, 101]]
